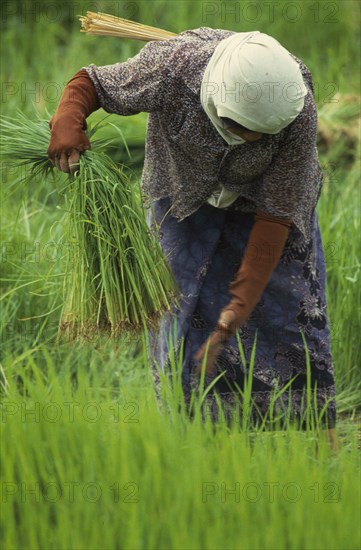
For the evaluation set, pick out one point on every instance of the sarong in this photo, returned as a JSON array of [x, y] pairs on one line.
[[205, 251]]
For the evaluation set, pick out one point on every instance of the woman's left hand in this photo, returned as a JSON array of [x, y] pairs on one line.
[[215, 343]]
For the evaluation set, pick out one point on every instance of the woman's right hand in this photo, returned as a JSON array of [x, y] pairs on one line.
[[65, 163], [68, 140], [67, 127]]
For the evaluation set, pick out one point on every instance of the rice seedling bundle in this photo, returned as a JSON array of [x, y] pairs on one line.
[[118, 279]]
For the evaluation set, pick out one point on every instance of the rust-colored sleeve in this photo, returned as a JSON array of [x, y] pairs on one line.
[[79, 99], [264, 248]]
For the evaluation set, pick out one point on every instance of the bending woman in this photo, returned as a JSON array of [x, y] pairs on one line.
[[232, 168]]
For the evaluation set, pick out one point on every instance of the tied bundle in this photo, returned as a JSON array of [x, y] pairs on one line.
[[118, 279], [102, 24]]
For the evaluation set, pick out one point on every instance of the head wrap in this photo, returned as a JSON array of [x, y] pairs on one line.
[[254, 81]]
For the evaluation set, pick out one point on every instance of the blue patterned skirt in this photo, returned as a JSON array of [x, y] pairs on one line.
[[204, 252]]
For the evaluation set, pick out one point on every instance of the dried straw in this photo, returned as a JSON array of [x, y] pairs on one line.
[[103, 24]]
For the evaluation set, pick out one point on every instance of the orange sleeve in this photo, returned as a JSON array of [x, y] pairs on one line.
[[266, 242]]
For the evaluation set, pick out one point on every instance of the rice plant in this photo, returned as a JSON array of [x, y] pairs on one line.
[[89, 458], [118, 279]]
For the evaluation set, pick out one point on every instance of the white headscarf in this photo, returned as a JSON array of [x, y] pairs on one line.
[[254, 81]]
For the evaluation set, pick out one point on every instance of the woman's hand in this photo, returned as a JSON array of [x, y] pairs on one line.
[[268, 237], [67, 127], [67, 163], [68, 140], [215, 343]]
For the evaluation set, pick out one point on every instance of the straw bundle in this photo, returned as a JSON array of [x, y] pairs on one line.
[[118, 279], [108, 25]]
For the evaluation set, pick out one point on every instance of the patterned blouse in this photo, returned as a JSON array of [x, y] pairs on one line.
[[185, 157]]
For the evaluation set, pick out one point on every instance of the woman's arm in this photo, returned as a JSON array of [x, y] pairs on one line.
[[68, 138], [140, 84], [264, 248]]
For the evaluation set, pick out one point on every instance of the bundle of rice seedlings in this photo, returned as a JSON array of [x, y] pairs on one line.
[[118, 279], [340, 119], [103, 24]]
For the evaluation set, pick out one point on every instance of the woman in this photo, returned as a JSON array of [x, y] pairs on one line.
[[232, 167]]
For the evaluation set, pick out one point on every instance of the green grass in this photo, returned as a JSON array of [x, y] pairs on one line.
[[112, 467], [108, 469]]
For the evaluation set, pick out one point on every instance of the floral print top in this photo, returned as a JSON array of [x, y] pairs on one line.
[[185, 157]]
